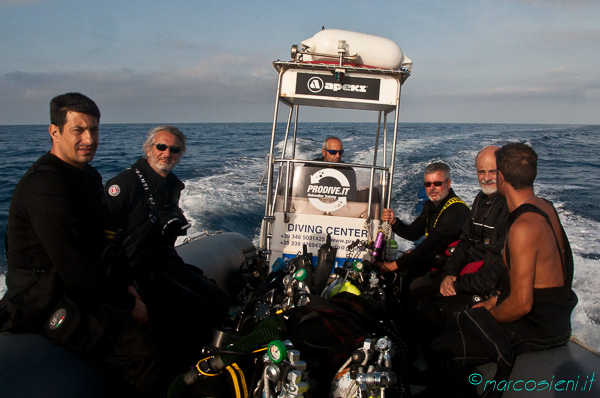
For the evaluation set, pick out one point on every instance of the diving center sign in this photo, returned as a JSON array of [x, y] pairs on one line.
[[336, 196]]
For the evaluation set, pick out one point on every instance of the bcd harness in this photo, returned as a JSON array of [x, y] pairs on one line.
[[130, 244], [450, 202]]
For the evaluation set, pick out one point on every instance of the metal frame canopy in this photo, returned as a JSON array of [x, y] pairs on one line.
[[331, 85], [328, 85]]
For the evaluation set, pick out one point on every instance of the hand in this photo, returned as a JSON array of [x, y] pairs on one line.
[[488, 304], [447, 286], [389, 216], [384, 268], [139, 311]]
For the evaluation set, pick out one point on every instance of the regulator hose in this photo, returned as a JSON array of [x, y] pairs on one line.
[[266, 331]]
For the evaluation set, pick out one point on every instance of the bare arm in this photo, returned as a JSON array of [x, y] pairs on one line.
[[523, 241]]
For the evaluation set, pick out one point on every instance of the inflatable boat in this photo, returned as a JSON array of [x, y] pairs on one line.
[[320, 231]]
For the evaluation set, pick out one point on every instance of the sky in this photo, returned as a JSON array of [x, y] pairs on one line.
[[176, 61]]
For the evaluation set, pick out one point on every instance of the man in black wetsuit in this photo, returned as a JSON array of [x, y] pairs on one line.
[[54, 245], [332, 150], [474, 269], [536, 314], [476, 266], [344, 177], [143, 203], [440, 221]]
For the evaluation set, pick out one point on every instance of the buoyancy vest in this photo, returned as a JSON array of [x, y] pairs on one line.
[[449, 202], [163, 219]]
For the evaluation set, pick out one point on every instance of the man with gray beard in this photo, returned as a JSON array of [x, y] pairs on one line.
[[476, 265], [145, 219], [476, 269], [473, 272]]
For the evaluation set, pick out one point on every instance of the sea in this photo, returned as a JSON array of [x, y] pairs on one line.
[[224, 167]]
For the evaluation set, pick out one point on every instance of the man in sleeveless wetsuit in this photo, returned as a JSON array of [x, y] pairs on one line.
[[54, 245], [440, 221], [536, 314], [143, 202]]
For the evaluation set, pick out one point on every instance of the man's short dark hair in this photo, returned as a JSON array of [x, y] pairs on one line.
[[75, 102], [518, 164], [438, 166]]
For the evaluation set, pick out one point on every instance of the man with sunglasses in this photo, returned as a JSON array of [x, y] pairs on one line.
[[145, 219], [332, 150], [440, 221], [475, 270]]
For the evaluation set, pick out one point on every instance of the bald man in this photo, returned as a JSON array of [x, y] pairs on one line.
[[476, 265]]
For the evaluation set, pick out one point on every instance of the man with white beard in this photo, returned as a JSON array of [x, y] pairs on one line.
[[474, 271], [476, 266], [145, 218]]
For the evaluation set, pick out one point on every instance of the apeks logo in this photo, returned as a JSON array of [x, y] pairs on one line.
[[325, 85], [324, 197], [316, 85]]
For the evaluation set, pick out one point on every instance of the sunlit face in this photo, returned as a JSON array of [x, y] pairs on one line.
[[77, 142], [439, 193], [486, 173], [163, 162], [335, 145]]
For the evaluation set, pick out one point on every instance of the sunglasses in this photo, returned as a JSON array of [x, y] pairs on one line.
[[335, 152], [435, 183], [163, 147]]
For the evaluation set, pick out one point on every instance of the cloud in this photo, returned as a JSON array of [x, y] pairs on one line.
[[13, 3], [227, 87], [571, 36], [566, 4], [222, 84]]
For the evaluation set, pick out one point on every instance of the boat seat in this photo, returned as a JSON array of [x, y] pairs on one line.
[[572, 366], [31, 366]]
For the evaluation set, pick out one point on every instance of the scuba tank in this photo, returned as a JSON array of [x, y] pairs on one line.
[[325, 263]]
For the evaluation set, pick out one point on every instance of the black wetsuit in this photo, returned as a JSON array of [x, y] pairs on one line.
[[482, 239], [480, 338], [441, 226], [183, 304], [54, 243]]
